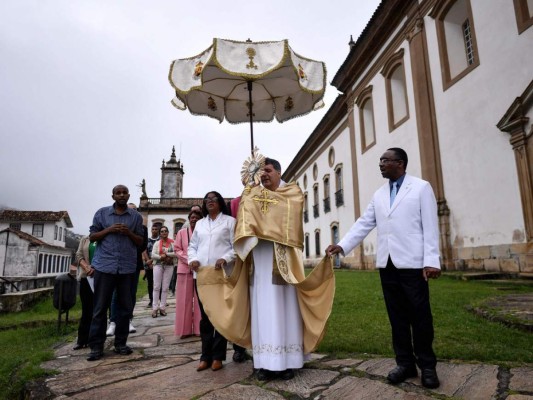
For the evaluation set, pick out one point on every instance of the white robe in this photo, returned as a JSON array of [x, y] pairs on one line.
[[277, 337]]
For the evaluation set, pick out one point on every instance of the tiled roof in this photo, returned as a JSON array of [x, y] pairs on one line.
[[35, 216], [31, 239]]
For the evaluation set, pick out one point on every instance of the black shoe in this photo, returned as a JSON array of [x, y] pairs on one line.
[[264, 375], [79, 346], [95, 355], [286, 375], [239, 356], [401, 373], [123, 350], [430, 378]]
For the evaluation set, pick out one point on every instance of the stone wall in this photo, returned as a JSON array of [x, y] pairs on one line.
[[508, 258]]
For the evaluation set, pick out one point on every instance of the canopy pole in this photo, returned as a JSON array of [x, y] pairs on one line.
[[251, 116]]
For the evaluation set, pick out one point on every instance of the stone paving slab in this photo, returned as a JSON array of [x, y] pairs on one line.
[[521, 379], [242, 392], [104, 374], [468, 381], [305, 382], [181, 382], [353, 388], [347, 362]]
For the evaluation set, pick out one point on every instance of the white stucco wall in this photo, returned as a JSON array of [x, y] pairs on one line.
[[342, 214], [480, 178], [404, 136], [168, 220]]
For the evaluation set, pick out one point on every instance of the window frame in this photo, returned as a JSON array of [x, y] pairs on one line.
[[524, 16], [364, 97], [34, 233], [394, 62], [439, 13]]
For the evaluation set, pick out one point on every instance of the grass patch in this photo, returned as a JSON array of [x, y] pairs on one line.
[[27, 339], [359, 322]]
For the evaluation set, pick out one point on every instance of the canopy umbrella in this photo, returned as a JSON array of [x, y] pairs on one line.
[[248, 82]]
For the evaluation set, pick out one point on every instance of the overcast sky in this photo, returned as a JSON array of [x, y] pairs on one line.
[[85, 98]]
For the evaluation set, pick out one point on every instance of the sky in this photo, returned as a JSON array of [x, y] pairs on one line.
[[85, 97]]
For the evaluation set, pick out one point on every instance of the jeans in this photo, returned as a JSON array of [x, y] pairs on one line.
[[104, 285], [114, 302]]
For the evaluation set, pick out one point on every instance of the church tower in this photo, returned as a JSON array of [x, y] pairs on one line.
[[172, 178]]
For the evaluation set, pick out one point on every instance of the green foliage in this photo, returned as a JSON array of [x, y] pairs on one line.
[[359, 322]]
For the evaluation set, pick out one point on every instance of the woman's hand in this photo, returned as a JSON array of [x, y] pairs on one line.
[[220, 263], [90, 272], [194, 265]]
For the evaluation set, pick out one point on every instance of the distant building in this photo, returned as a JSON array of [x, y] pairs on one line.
[[47, 226], [171, 209], [449, 81], [22, 254], [32, 243]]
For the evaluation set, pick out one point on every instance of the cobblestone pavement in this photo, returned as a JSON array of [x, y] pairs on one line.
[[164, 367]]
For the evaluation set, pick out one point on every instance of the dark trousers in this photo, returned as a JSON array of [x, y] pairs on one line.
[[114, 302], [149, 276], [86, 297], [213, 343], [104, 285], [406, 296]]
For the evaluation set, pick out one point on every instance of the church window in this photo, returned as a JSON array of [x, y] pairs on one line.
[[457, 39], [178, 224], [524, 14], [315, 201], [40, 268], [306, 208], [335, 239], [317, 242], [327, 206], [305, 181], [306, 245], [395, 87], [38, 230], [331, 156], [15, 226], [315, 172], [60, 233], [366, 119], [339, 195]]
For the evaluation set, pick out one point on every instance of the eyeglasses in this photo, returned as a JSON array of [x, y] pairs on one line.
[[210, 199], [388, 160], [163, 231]]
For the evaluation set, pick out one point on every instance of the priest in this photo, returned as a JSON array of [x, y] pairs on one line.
[[269, 305]]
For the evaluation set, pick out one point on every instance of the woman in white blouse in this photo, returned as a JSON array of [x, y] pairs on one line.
[[212, 245], [165, 260]]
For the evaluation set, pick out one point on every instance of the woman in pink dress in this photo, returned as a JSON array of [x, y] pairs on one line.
[[187, 309]]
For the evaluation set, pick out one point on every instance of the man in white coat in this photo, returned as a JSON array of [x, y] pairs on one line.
[[404, 210]]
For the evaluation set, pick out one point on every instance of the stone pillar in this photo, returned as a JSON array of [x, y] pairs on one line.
[[427, 132]]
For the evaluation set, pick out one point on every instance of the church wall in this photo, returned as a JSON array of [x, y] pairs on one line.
[[479, 170], [404, 136], [339, 140], [168, 220]]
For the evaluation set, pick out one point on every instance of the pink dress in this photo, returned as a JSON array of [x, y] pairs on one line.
[[187, 310]]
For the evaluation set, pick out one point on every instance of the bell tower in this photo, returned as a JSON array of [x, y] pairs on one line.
[[172, 178]]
